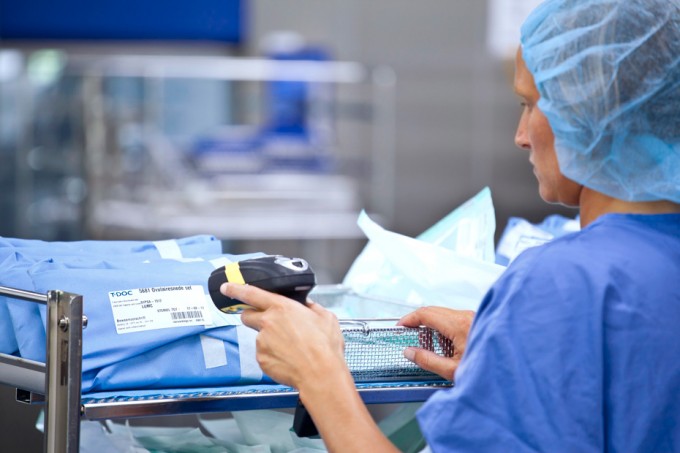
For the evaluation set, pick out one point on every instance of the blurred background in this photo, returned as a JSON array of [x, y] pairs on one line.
[[269, 124]]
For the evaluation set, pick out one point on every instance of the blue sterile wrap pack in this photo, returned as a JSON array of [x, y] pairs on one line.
[[21, 331], [8, 341], [214, 358], [188, 247], [151, 321]]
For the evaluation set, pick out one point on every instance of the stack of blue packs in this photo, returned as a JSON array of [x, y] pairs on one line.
[[151, 322]]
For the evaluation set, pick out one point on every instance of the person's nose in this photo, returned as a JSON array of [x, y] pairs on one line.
[[522, 135]]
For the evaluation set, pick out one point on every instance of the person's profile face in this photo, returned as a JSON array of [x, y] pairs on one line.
[[535, 135]]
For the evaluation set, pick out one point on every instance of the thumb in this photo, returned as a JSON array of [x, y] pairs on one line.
[[430, 361]]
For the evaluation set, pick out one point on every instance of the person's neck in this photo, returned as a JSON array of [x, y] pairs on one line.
[[594, 204]]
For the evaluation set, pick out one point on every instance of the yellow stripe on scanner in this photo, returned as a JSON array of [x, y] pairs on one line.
[[233, 273]]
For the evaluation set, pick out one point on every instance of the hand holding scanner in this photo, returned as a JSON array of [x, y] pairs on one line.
[[290, 277]]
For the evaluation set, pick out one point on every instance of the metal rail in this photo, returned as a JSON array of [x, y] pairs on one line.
[[23, 295], [62, 369], [271, 397]]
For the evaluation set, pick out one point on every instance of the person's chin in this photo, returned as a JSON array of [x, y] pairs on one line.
[[552, 198], [547, 195], [548, 199]]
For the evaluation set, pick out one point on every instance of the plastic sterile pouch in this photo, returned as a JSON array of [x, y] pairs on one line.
[[267, 427], [167, 439], [468, 230], [520, 235], [420, 273], [402, 429], [96, 438]]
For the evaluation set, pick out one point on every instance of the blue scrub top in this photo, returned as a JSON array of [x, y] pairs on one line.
[[576, 348]]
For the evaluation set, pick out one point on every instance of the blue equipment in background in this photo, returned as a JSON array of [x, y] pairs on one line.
[[175, 20]]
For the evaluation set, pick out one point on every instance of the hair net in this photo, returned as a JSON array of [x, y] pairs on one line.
[[608, 72]]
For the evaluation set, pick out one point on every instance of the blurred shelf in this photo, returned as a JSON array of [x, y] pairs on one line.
[[120, 219]]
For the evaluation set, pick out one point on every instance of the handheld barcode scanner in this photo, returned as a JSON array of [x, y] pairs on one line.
[[290, 277]]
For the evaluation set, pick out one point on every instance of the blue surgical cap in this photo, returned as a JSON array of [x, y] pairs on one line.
[[608, 72]]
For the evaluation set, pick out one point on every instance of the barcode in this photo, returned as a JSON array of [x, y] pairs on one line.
[[186, 314]]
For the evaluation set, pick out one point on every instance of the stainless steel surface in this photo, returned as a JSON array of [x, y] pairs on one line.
[[248, 400], [63, 378], [122, 219], [23, 295], [237, 196], [22, 373], [211, 67], [376, 354]]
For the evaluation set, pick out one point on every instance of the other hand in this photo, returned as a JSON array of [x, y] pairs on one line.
[[453, 324]]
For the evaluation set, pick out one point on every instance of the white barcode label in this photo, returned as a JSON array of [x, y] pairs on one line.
[[187, 314], [160, 307]]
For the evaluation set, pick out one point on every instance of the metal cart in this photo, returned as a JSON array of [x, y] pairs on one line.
[[57, 383]]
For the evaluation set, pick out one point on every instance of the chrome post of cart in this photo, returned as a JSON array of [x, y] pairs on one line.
[[59, 378]]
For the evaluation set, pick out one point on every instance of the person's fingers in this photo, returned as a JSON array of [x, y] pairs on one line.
[[252, 319], [316, 308], [410, 320], [430, 361], [251, 295], [453, 327], [323, 314], [428, 316], [454, 324]]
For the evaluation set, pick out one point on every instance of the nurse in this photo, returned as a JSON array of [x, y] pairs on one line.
[[574, 349]]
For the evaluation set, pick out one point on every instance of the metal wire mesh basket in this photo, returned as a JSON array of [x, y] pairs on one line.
[[377, 353]]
